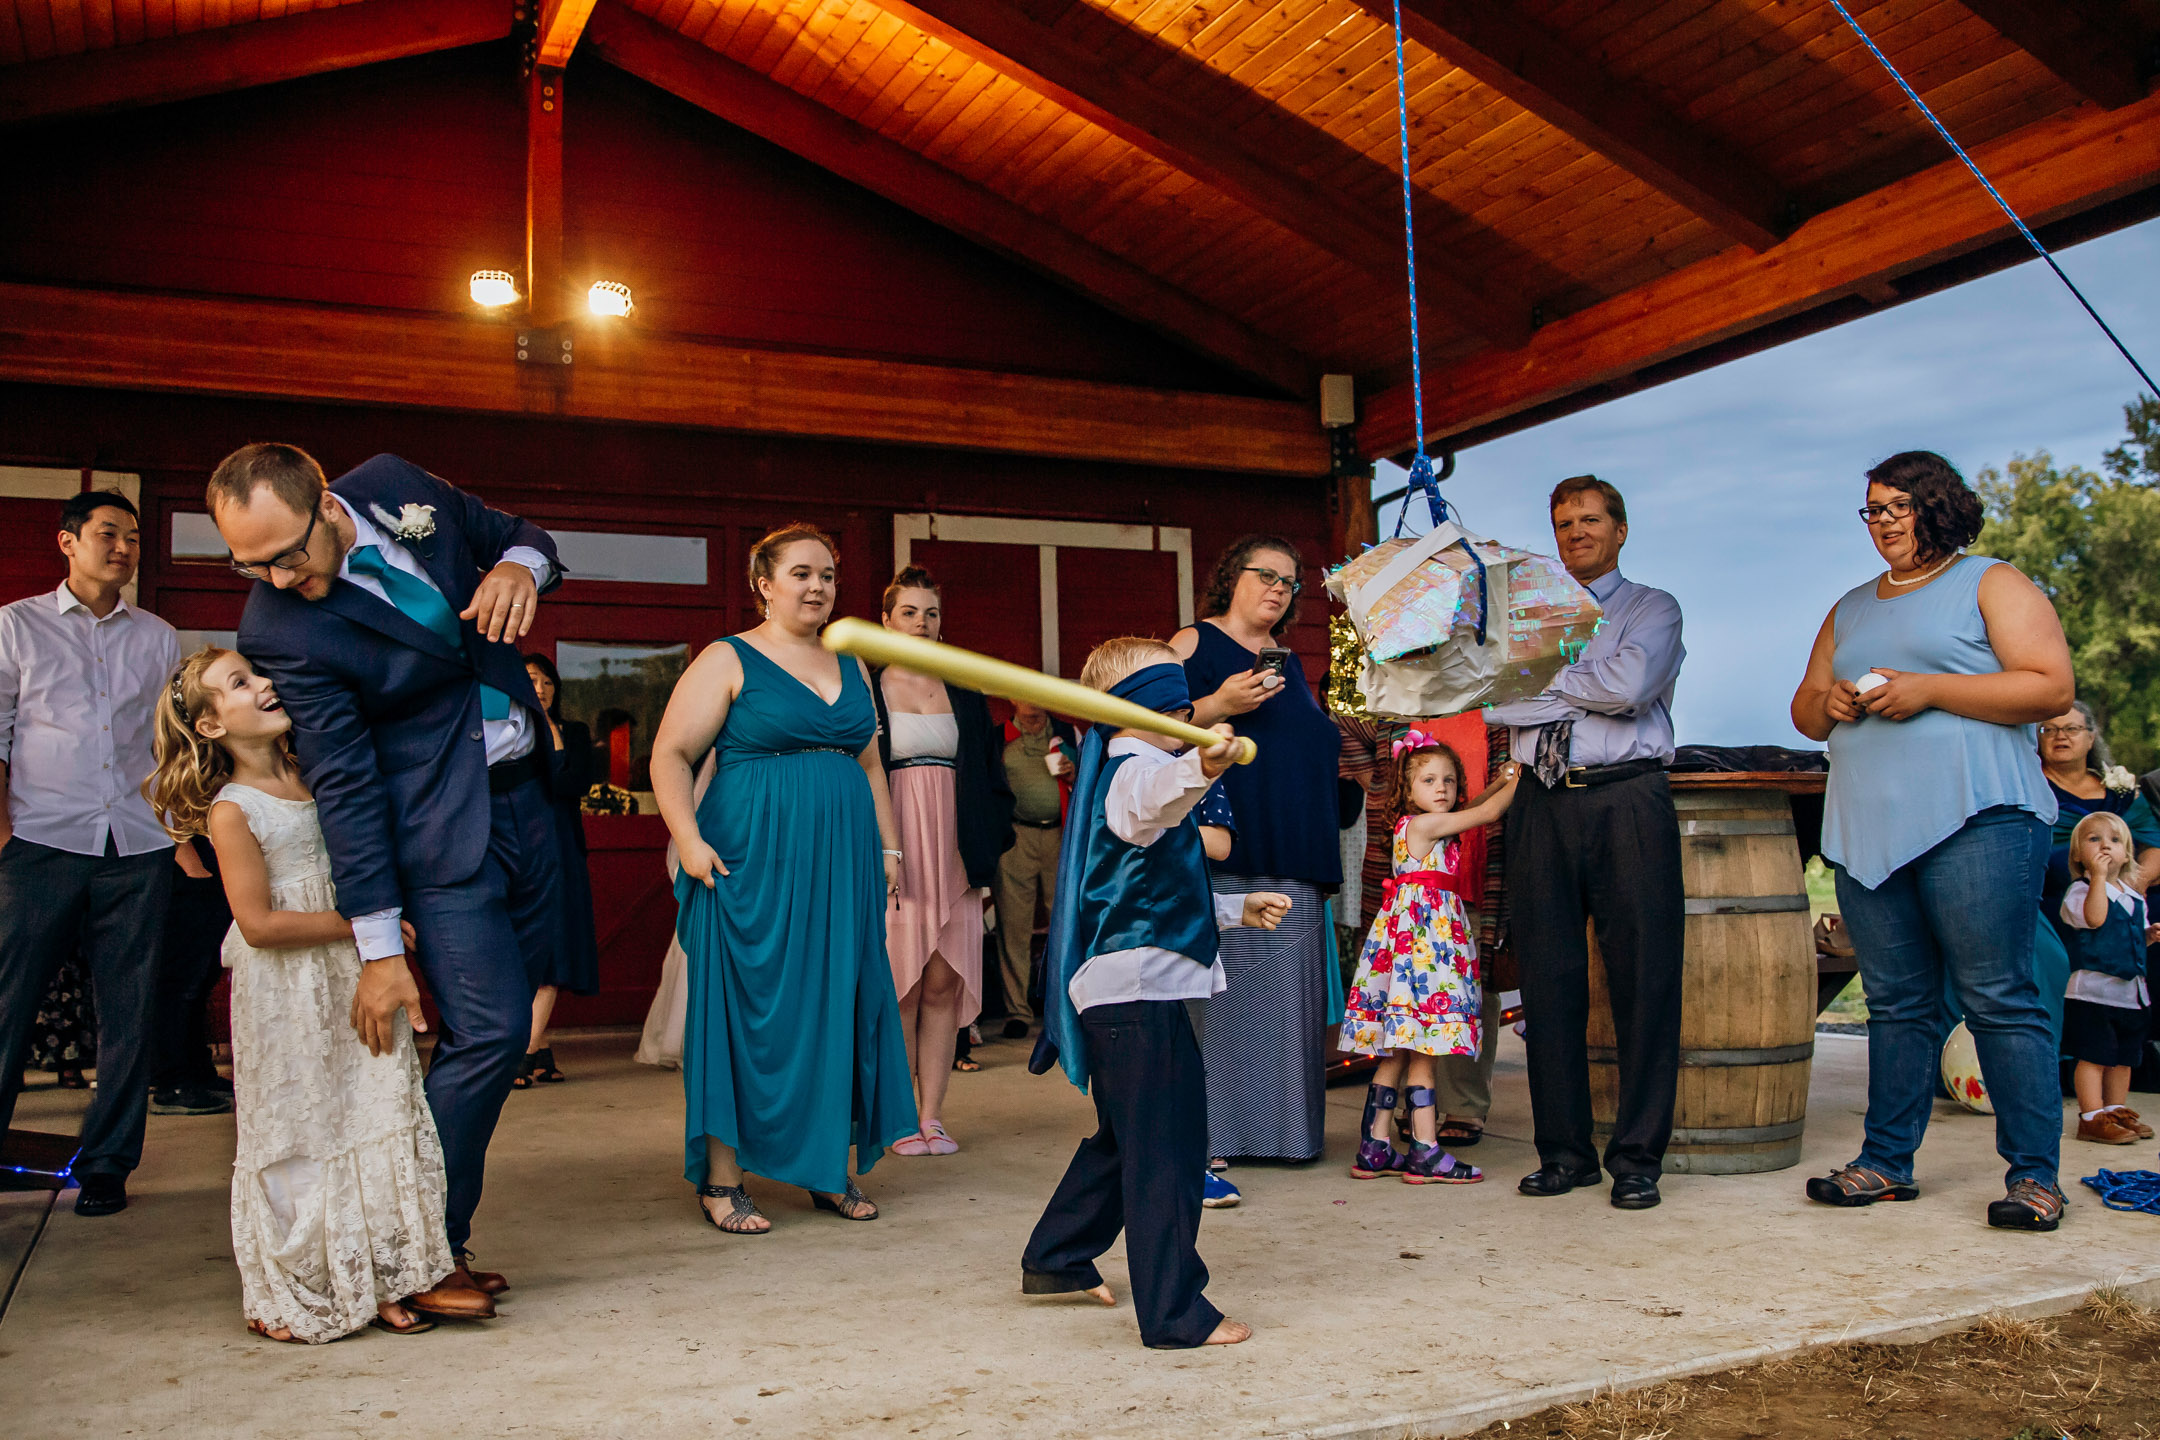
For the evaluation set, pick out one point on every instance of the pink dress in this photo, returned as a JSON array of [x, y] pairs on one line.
[[937, 912]]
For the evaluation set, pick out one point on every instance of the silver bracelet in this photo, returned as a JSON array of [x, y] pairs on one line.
[[896, 854]]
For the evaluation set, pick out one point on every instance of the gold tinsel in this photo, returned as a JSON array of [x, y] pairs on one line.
[[1346, 657]]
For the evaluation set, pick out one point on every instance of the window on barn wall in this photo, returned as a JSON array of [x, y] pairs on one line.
[[1043, 593]]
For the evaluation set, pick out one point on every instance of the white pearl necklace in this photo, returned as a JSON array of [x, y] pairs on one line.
[[1917, 579]]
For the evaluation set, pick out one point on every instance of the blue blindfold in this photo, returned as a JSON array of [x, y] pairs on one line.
[[1160, 688]]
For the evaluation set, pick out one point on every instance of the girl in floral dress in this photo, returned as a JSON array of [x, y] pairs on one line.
[[1416, 992]]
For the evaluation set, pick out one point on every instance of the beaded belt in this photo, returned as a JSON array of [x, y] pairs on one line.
[[913, 760]]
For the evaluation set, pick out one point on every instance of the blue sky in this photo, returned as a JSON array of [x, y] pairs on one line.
[[1742, 481]]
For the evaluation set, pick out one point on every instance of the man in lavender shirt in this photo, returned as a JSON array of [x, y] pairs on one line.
[[1593, 836]]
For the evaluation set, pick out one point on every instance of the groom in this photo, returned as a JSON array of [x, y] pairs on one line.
[[387, 616]]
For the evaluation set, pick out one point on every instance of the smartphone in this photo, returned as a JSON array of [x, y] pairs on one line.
[[1272, 661]]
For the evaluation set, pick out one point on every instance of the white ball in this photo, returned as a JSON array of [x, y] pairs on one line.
[[1870, 681]]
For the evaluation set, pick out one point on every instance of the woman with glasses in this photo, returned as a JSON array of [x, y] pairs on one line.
[[2084, 779], [1263, 1037], [1936, 827]]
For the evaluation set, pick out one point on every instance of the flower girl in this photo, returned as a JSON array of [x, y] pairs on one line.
[[337, 1189]]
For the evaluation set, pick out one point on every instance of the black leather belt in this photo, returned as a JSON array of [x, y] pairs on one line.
[[510, 774], [1582, 777], [1038, 824]]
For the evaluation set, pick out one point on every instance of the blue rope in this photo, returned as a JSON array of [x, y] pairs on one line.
[[1985, 184], [2137, 1190], [1421, 480]]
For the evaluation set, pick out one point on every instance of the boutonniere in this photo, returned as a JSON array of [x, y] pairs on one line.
[[2119, 778], [412, 522]]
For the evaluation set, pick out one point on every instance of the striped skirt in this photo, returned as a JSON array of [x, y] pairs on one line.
[[1263, 1037]]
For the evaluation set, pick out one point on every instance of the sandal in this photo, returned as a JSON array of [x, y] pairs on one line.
[[256, 1327], [850, 1206], [741, 1210], [966, 1066], [543, 1067], [71, 1077], [1857, 1185], [1461, 1134], [523, 1080], [2030, 1205], [1375, 1158], [418, 1325], [1428, 1162]]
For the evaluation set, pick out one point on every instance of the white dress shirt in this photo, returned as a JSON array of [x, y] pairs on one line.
[[377, 934], [1150, 794], [1619, 692], [76, 719], [2097, 987]]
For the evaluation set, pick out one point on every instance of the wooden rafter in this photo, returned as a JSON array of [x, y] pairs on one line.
[[1506, 52], [271, 350], [2050, 171], [544, 195], [774, 113], [561, 23], [2081, 48], [999, 34], [235, 57]]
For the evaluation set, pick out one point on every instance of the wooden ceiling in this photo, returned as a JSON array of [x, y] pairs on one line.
[[1228, 170]]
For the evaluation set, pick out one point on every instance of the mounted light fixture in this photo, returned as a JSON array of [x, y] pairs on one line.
[[609, 297], [494, 288]]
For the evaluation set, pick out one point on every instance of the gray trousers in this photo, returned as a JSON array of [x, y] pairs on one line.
[[116, 904], [1463, 1083], [1025, 872]]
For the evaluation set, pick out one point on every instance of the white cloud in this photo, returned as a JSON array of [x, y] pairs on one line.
[[1742, 481]]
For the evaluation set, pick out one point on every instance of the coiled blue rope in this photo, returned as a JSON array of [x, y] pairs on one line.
[[1985, 184], [2137, 1190]]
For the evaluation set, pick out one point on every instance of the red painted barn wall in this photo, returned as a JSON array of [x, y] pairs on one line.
[[389, 185]]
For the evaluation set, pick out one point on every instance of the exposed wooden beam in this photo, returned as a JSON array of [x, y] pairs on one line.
[[234, 57], [545, 299], [2049, 171], [267, 349], [2079, 47], [1000, 35], [561, 23], [1509, 53], [744, 98]]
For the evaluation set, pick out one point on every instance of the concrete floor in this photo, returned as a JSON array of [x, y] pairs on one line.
[[1380, 1309]]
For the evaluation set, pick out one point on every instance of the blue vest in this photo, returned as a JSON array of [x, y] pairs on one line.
[[2116, 948], [1133, 896]]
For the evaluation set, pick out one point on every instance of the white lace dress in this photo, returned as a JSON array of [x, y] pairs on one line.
[[337, 1191]]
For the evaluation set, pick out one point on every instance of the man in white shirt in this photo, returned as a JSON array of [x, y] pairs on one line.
[[81, 854]]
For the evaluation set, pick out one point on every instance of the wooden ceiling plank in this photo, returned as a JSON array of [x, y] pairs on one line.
[[834, 40], [1165, 126], [2050, 171], [11, 37], [100, 25], [1622, 122], [158, 20], [262, 348], [240, 56], [2074, 42], [857, 68], [779, 115], [561, 23]]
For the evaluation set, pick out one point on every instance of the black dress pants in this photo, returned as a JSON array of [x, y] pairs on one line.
[[1609, 854], [116, 904], [1140, 1172], [196, 919]]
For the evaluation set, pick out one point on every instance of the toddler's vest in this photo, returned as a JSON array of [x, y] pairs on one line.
[[1133, 896], [2116, 948]]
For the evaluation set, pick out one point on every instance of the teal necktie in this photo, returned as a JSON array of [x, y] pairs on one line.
[[422, 603]]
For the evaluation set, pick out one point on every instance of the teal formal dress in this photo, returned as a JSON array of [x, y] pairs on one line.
[[791, 1042]]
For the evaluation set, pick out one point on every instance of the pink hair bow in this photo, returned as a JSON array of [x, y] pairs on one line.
[[1412, 742]]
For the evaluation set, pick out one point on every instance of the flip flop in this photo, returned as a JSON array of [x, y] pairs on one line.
[[418, 1325], [256, 1327]]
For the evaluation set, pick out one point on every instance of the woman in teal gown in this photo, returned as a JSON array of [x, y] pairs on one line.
[[792, 1050]]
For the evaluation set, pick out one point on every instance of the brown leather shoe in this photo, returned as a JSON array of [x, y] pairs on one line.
[[2106, 1128], [486, 1281], [2135, 1121], [453, 1298]]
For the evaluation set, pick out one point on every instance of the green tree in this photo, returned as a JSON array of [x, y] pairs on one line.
[[2092, 542]]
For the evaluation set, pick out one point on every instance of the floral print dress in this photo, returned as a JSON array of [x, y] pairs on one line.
[[1416, 986]]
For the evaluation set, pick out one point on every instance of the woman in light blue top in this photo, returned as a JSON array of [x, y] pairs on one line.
[[1927, 683]]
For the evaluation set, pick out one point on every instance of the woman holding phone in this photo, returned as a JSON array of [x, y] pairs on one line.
[[1263, 1038]]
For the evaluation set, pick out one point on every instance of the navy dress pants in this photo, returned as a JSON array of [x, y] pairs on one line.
[[115, 904], [479, 941], [1140, 1172]]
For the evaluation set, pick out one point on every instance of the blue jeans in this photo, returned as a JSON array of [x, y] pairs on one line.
[[1962, 912]]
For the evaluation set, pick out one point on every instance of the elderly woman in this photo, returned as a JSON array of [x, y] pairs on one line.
[[792, 1054], [2084, 778], [1936, 827], [1263, 1038], [945, 759]]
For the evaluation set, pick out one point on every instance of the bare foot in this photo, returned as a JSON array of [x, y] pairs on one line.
[[280, 1334], [397, 1317], [1229, 1332], [1102, 1292]]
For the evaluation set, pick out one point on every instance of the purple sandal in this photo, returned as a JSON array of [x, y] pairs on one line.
[[1375, 1158], [1428, 1164]]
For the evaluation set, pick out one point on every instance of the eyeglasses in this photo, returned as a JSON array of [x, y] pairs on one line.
[[1269, 579], [292, 559], [2050, 731], [1889, 510]]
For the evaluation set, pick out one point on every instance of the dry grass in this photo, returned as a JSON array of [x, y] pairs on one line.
[[1636, 1415], [2118, 1311], [2014, 1338]]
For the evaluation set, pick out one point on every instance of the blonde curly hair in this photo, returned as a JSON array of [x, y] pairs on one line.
[[191, 767]]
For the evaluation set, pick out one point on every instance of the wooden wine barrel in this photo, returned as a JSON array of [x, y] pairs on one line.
[[1747, 1027]]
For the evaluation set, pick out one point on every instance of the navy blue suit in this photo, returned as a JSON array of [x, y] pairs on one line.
[[387, 726]]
